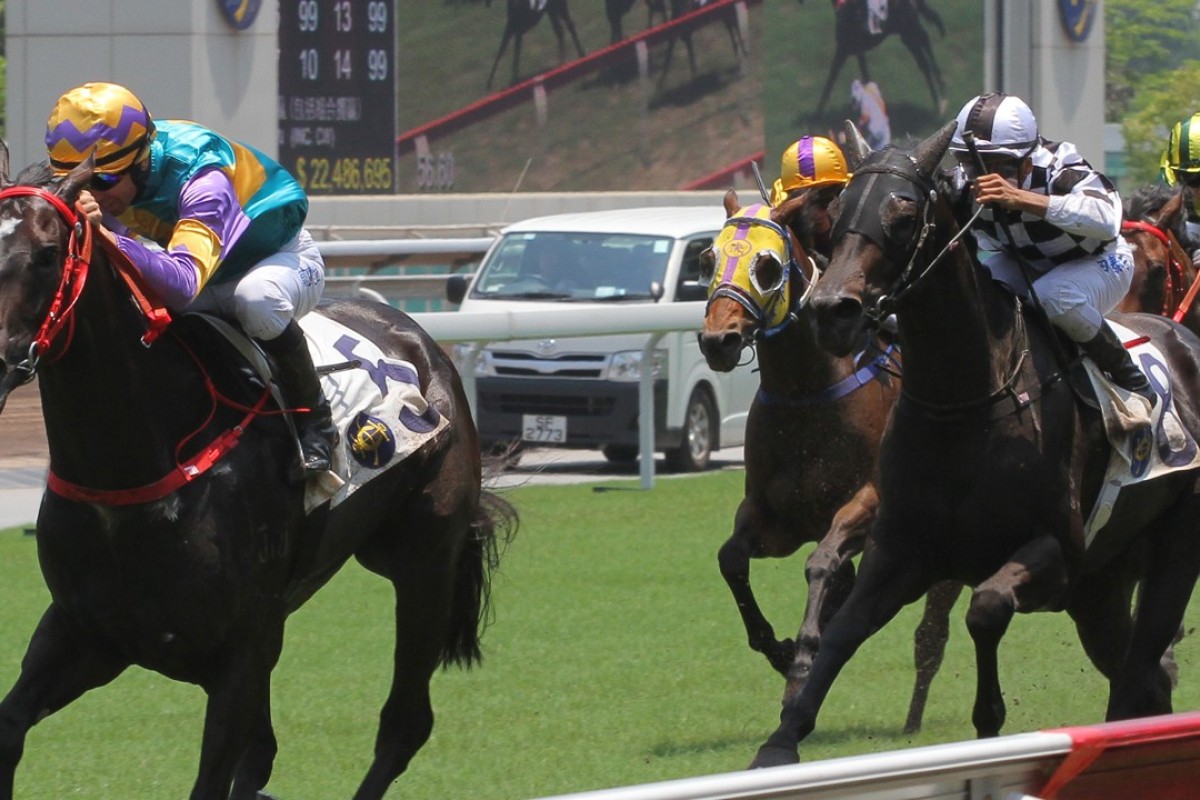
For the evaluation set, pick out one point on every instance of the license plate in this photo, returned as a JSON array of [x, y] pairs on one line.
[[543, 428]]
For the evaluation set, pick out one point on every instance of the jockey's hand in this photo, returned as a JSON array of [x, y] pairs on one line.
[[996, 190], [1196, 258], [87, 205]]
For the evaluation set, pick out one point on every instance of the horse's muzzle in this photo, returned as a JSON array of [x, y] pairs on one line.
[[838, 321], [722, 350]]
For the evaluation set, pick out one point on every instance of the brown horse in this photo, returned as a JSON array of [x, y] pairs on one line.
[[521, 16], [812, 436], [855, 36], [990, 465], [1164, 278], [169, 535]]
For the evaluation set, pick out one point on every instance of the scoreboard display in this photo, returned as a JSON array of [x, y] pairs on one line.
[[337, 94]]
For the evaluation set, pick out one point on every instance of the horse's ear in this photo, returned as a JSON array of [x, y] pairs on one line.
[[75, 180], [929, 152], [856, 148], [4, 181], [731, 202]]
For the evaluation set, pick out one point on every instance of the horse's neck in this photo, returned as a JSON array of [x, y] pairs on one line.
[[107, 398], [956, 331], [791, 363]]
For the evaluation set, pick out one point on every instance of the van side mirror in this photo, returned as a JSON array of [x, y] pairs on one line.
[[691, 291], [456, 288]]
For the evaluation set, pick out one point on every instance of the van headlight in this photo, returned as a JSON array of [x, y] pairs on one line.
[[627, 365], [484, 366]]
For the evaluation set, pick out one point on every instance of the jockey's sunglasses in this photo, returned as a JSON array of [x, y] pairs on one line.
[[1007, 168], [1189, 179], [103, 181]]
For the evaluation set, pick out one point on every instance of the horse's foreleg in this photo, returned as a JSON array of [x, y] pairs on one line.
[[922, 52], [570, 23], [835, 66], [60, 664], [734, 561], [830, 576], [889, 578], [258, 761], [1033, 579], [929, 647], [499, 55], [233, 717]]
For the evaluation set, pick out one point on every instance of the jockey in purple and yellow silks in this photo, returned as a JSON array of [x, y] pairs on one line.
[[812, 162], [228, 222]]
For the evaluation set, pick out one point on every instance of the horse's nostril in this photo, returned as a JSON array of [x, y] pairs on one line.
[[847, 308]]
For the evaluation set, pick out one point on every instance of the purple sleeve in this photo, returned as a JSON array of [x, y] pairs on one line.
[[210, 222]]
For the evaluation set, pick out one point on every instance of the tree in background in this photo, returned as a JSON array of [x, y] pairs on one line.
[[1152, 74]]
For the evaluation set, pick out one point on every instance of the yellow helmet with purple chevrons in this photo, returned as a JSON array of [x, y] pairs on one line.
[[102, 119]]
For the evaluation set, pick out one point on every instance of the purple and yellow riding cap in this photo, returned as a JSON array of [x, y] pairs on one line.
[[808, 162], [103, 119]]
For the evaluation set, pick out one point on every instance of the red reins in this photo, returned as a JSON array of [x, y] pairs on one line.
[[1174, 269], [76, 266]]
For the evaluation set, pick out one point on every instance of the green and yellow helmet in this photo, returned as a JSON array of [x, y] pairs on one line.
[[102, 119], [1183, 149], [808, 162]]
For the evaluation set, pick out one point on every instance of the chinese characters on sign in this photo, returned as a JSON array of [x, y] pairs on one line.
[[337, 94]]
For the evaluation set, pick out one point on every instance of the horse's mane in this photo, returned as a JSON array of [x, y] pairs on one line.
[[1147, 201], [36, 174]]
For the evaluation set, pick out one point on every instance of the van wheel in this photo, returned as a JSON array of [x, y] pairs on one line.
[[620, 453], [699, 434]]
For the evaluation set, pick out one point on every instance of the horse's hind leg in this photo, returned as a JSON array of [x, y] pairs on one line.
[[59, 666], [1142, 687], [423, 562], [929, 647], [835, 66]]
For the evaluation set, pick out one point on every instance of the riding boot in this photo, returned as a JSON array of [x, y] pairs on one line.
[[297, 380], [1110, 355]]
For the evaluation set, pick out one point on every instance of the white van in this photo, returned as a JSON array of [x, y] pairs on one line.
[[582, 392]]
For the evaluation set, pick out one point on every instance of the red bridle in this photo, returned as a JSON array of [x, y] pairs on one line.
[[1175, 275], [74, 276]]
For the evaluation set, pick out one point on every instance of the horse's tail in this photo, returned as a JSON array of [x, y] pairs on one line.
[[931, 15], [494, 526]]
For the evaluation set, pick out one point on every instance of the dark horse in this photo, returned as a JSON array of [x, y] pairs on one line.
[[680, 8], [853, 36], [521, 17], [1164, 278], [194, 578], [990, 465], [615, 11], [812, 436]]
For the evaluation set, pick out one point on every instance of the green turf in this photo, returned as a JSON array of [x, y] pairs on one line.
[[617, 657]]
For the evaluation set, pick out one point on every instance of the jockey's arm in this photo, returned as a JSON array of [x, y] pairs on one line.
[[210, 222]]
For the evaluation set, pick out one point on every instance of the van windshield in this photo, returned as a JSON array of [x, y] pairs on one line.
[[574, 266]]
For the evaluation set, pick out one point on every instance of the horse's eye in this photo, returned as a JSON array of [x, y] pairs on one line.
[[767, 273], [708, 266], [45, 257], [898, 216]]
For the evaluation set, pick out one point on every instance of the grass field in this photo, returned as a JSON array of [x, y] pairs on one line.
[[616, 657]]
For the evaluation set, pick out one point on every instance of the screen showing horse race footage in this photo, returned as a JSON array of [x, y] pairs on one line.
[[623, 95]]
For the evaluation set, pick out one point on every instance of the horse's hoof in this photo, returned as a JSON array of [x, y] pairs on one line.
[[771, 756]]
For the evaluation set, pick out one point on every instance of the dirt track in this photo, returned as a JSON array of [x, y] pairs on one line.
[[22, 433]]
